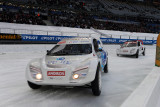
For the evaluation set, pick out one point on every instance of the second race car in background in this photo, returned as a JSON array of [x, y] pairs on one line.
[[132, 48]]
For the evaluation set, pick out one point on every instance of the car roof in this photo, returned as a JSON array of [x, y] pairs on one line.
[[134, 41], [76, 40], [130, 42]]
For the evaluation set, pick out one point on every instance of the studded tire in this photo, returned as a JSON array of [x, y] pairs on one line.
[[33, 86], [96, 84]]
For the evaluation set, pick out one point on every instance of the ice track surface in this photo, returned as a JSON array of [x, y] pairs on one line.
[[125, 74]]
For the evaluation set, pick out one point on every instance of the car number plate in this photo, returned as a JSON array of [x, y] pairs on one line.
[[56, 73]]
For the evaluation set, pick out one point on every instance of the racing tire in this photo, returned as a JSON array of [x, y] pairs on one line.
[[137, 54], [106, 67], [144, 52], [33, 86], [96, 84]]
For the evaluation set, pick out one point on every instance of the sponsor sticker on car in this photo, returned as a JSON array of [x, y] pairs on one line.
[[59, 62], [56, 73], [61, 58], [125, 50]]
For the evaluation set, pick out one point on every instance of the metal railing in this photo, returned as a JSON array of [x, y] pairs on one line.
[[60, 33], [42, 32]]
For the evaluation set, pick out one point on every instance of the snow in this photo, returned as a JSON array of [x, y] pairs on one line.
[[67, 31], [146, 94], [13, 48], [125, 74]]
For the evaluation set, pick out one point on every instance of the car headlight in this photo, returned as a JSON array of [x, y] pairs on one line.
[[132, 50], [36, 72], [80, 73], [75, 76]]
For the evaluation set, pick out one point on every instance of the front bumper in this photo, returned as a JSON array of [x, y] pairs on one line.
[[128, 52], [66, 80]]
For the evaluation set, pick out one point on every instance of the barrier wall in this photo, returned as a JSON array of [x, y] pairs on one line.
[[120, 41], [58, 38], [147, 93], [47, 38], [55, 39]]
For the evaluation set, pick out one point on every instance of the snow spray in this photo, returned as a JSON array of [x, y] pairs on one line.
[[158, 51]]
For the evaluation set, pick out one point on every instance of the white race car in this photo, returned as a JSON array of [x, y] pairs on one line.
[[72, 62], [132, 48]]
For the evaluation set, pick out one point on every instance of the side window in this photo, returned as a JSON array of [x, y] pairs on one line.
[[95, 43], [99, 45], [139, 43]]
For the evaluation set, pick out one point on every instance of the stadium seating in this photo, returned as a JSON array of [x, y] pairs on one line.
[[101, 14]]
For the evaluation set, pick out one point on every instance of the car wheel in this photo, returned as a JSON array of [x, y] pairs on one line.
[[106, 67], [117, 54], [137, 54], [33, 86], [143, 52], [96, 84]]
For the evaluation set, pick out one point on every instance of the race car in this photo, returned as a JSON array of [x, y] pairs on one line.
[[72, 62], [131, 48]]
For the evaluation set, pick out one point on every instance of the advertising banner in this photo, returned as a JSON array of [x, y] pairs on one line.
[[10, 36], [120, 41], [55, 39], [26, 37]]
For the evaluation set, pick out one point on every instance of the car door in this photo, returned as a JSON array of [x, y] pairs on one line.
[[98, 52], [103, 54], [140, 47]]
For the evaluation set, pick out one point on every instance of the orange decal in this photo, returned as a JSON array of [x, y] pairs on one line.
[[157, 63], [62, 42]]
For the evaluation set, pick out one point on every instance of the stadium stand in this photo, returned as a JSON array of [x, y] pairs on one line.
[[99, 14]]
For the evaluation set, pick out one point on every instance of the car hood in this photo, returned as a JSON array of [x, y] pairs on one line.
[[64, 61]]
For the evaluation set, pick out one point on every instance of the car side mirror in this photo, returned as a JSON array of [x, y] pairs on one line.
[[47, 51], [100, 50]]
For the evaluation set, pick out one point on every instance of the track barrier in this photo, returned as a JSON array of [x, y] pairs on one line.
[[54, 39]]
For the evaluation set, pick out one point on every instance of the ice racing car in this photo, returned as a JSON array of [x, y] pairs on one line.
[[132, 48], [72, 62]]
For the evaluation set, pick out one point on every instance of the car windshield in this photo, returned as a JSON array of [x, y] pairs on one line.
[[70, 49], [129, 44]]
